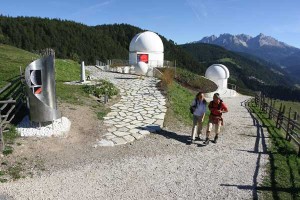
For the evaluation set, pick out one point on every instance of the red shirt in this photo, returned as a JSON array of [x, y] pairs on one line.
[[213, 107]]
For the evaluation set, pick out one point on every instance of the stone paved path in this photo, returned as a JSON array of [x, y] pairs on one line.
[[140, 111]]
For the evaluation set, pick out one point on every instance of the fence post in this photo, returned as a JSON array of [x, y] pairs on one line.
[[279, 116], [270, 110], [1, 140], [287, 137]]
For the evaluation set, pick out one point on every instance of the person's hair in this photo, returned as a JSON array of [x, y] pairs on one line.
[[217, 95], [197, 96]]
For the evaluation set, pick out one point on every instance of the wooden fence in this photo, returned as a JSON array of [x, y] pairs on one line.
[[286, 121], [12, 98]]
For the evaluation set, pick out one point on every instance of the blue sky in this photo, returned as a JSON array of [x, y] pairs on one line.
[[179, 20]]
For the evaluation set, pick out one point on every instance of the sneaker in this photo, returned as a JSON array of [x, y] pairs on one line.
[[206, 141], [216, 138]]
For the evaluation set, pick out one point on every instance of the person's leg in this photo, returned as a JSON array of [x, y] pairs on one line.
[[195, 120], [209, 127], [217, 131], [199, 125]]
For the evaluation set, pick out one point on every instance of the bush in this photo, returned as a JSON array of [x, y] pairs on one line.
[[101, 88], [167, 77]]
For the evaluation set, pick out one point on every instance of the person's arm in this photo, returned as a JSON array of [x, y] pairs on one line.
[[193, 102], [224, 108]]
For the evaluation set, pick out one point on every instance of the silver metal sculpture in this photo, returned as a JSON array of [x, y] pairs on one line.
[[40, 86]]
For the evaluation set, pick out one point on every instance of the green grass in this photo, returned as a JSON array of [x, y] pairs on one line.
[[294, 105], [68, 70], [180, 99], [11, 60], [15, 171], [283, 180], [192, 80], [11, 135]]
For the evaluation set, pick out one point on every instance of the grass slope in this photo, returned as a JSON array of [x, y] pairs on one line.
[[11, 60], [66, 70], [180, 100]]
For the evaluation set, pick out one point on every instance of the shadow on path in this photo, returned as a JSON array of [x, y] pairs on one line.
[[260, 140]]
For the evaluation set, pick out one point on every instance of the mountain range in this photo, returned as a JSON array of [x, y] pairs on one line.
[[261, 46]]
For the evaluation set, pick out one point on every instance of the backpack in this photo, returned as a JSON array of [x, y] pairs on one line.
[[193, 107]]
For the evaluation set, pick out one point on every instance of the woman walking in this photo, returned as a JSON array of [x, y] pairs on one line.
[[199, 109]]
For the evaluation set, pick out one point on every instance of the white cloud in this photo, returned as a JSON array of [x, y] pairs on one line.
[[91, 9], [198, 7]]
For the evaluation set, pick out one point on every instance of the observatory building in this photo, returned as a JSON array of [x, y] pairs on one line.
[[148, 48], [219, 74]]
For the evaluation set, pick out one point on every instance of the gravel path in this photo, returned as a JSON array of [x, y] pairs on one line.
[[162, 166]]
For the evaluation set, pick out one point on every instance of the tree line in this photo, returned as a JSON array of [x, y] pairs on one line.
[[80, 42]]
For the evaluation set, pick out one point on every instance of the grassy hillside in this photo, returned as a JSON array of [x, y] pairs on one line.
[[11, 60], [66, 70]]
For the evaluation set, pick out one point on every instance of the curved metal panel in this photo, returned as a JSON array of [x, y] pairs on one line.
[[40, 86]]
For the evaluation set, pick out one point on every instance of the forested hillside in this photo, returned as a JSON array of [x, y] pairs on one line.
[[80, 42], [88, 43]]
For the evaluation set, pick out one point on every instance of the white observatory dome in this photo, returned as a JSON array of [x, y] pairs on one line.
[[216, 72], [146, 42]]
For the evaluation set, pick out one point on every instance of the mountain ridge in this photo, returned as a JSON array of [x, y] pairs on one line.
[[261, 46]]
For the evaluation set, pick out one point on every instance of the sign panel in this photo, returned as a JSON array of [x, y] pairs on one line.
[[143, 58]]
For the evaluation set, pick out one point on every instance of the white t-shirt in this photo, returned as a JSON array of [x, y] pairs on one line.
[[200, 109]]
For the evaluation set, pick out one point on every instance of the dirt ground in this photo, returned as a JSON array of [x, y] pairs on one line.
[[35, 154]]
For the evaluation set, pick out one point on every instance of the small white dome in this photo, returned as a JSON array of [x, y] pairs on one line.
[[217, 71], [146, 42]]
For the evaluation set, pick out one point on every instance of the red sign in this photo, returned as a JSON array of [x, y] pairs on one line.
[[142, 58]]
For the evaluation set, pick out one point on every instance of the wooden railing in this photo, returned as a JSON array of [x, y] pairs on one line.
[[286, 121], [12, 98]]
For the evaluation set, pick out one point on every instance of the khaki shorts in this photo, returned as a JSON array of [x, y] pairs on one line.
[[217, 127]]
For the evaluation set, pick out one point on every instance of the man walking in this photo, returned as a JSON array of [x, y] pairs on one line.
[[217, 108]]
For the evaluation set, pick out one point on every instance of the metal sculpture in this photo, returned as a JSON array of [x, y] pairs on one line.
[[40, 86]]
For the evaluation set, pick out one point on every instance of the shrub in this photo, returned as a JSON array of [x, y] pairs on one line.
[[101, 88], [167, 77]]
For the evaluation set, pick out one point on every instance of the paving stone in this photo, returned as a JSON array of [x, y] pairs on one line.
[[140, 118], [129, 138], [112, 114], [120, 125], [141, 106], [123, 129], [109, 122], [119, 141], [160, 116], [149, 121], [144, 132], [159, 122], [105, 143], [127, 120], [135, 130], [109, 137], [120, 133], [122, 114], [137, 136]]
